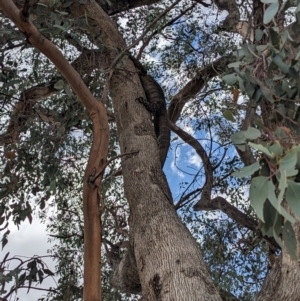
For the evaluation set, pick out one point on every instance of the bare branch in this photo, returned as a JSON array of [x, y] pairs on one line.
[[98, 154], [147, 41], [247, 155], [219, 203], [206, 192], [23, 110], [195, 85], [148, 28]]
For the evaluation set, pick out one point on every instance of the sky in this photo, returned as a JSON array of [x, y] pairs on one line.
[[29, 240]]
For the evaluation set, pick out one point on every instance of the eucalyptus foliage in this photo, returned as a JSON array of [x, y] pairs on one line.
[[41, 175]]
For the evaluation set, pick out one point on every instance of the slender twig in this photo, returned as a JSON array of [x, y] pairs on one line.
[[146, 43], [109, 161], [148, 28]]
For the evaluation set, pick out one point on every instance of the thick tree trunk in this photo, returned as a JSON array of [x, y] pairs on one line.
[[168, 259], [282, 283]]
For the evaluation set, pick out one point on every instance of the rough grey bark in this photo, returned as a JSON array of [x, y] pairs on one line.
[[168, 259], [282, 283], [166, 255], [162, 252]]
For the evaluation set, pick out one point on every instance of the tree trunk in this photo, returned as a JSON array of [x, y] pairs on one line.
[[282, 283], [168, 259]]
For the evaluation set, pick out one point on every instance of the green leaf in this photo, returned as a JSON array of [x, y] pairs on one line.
[[238, 138], [274, 37], [277, 229], [53, 186], [4, 242], [41, 276], [289, 239], [235, 65], [48, 272], [261, 48], [230, 79], [250, 89], [62, 28], [59, 84], [252, 133], [293, 197], [283, 37], [261, 148], [267, 95], [228, 115], [68, 90], [276, 149], [289, 161], [271, 11], [280, 133], [277, 59], [277, 203], [269, 217], [42, 204], [258, 35], [67, 3], [259, 124], [282, 184], [298, 8], [286, 5], [247, 171], [259, 194]]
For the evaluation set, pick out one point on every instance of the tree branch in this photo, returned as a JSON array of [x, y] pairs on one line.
[[99, 150], [247, 155], [219, 203], [206, 192], [146, 43], [195, 85], [23, 110]]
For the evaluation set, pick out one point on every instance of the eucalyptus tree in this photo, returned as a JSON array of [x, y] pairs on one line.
[[223, 77]]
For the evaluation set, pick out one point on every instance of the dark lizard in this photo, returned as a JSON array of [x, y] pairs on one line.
[[155, 103]]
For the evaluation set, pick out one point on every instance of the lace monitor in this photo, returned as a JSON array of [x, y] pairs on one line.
[[155, 103]]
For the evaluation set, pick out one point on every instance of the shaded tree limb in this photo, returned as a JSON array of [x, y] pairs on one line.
[[219, 203], [227, 296], [116, 6], [247, 155], [87, 61], [206, 192], [186, 197], [112, 7], [23, 110], [195, 85]]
